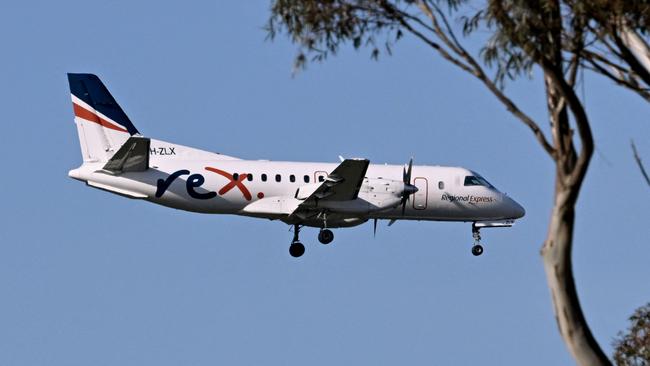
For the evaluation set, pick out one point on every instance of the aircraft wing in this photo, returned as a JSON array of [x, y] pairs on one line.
[[342, 184], [133, 156]]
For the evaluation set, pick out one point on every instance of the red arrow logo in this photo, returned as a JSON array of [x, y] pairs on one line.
[[233, 183]]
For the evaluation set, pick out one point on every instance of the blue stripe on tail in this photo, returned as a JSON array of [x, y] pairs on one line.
[[91, 90]]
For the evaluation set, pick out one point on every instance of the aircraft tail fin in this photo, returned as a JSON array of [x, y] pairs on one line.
[[102, 125]]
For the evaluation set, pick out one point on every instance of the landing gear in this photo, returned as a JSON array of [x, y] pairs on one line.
[[325, 236], [296, 249], [477, 248]]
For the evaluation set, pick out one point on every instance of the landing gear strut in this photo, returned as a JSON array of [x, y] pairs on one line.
[[325, 236], [296, 249], [477, 248]]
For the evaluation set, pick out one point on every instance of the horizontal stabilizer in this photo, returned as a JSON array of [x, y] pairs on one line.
[[133, 156], [121, 191]]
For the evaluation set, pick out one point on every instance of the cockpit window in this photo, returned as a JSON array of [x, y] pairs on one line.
[[472, 180]]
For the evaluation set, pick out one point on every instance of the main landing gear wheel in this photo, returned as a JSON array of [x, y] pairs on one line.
[[296, 249], [477, 248], [325, 236]]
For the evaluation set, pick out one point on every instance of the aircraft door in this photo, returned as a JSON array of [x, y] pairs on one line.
[[320, 176], [420, 197]]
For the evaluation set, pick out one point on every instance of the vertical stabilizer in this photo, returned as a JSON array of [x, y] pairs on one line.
[[102, 125]]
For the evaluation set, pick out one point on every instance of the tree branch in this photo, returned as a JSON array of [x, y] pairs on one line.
[[637, 157], [630, 59], [594, 66], [584, 129], [436, 46], [475, 69], [573, 70], [620, 51]]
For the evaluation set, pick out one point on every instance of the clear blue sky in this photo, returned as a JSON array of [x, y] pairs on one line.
[[89, 278]]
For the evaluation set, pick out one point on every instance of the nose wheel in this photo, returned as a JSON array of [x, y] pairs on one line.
[[477, 248], [296, 249]]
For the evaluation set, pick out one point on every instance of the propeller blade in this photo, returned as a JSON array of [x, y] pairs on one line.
[[406, 178], [374, 232], [391, 222]]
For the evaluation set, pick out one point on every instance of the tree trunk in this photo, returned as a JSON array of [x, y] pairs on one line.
[[556, 254]]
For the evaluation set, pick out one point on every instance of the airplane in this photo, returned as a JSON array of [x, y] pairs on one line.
[[120, 160]]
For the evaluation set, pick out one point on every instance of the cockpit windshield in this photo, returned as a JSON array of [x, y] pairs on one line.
[[476, 180]]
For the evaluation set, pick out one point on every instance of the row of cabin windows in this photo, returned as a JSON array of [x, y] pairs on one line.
[[469, 180], [278, 178]]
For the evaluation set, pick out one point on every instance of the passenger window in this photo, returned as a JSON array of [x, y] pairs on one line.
[[278, 178], [292, 178], [441, 185], [235, 176], [306, 178], [321, 179], [263, 177], [250, 177]]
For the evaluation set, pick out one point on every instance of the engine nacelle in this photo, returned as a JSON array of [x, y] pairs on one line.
[[375, 194], [382, 194]]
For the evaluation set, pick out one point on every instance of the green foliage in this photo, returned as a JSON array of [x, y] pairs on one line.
[[321, 27], [608, 15], [633, 348], [529, 31], [522, 32]]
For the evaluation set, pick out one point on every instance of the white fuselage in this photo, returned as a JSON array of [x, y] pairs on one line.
[[199, 181], [119, 159]]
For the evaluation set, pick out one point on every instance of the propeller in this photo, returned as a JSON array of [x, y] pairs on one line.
[[409, 189], [374, 230]]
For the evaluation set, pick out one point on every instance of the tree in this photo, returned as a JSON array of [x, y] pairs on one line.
[[637, 157], [616, 48], [558, 37], [633, 348]]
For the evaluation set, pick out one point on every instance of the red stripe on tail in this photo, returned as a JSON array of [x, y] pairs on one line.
[[82, 112]]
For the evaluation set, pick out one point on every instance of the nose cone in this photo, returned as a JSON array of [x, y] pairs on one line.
[[517, 210]]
